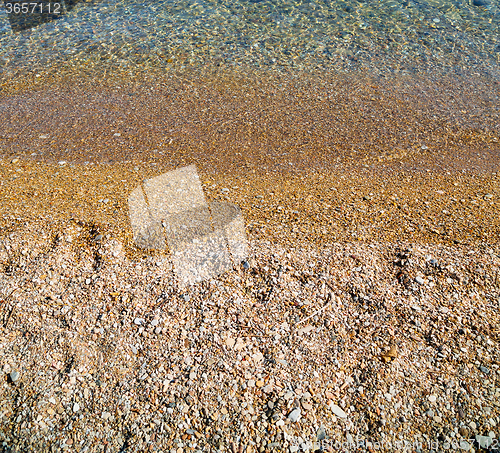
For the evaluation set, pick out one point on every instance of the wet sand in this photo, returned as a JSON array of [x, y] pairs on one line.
[[223, 121], [344, 158]]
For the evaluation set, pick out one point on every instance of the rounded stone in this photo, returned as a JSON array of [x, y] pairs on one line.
[[14, 376]]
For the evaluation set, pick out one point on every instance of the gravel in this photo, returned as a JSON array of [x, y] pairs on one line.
[[232, 369]]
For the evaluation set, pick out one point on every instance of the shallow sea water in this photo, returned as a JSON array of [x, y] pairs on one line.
[[381, 78], [382, 35]]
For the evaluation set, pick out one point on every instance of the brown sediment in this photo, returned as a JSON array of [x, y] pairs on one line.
[[313, 147], [227, 121], [316, 208]]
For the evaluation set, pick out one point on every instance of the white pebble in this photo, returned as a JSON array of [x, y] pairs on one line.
[[294, 415], [337, 411]]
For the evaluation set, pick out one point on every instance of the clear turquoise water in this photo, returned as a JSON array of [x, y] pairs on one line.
[[383, 35]]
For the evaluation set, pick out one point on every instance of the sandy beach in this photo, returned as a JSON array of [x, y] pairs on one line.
[[365, 315]]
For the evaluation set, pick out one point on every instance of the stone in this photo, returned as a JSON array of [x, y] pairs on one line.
[[390, 355], [337, 411], [305, 330], [464, 432], [320, 434], [432, 398], [294, 416], [14, 376], [289, 395], [420, 280], [484, 369], [480, 2], [138, 321], [76, 407]]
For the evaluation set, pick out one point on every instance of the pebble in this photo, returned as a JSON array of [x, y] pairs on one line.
[[338, 411], [14, 376], [288, 395], [169, 377], [464, 432], [420, 280], [294, 416], [320, 434]]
